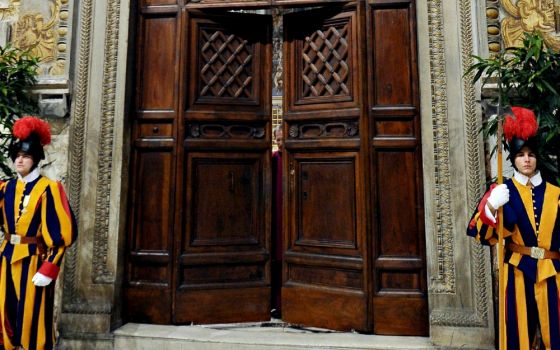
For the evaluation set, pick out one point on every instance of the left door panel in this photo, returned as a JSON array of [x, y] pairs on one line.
[[199, 220], [223, 262]]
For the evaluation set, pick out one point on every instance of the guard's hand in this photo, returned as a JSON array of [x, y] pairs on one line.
[[499, 196], [41, 280]]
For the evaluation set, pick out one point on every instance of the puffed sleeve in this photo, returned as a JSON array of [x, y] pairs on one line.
[[482, 227], [59, 229]]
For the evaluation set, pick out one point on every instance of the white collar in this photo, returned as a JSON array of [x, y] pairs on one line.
[[524, 180], [32, 176]]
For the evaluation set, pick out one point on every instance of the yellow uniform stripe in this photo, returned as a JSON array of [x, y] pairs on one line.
[[541, 294], [521, 306]]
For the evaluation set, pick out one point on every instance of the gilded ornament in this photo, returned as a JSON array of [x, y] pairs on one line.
[[529, 16], [36, 35], [44, 34], [492, 13], [494, 47], [493, 30], [10, 10], [58, 68]]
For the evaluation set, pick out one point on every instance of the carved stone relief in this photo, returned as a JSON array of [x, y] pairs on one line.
[[8, 8], [529, 16], [43, 28]]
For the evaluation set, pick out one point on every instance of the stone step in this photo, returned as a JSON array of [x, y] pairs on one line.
[[255, 336]]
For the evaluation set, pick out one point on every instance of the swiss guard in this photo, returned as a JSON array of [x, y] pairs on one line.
[[38, 227], [531, 228]]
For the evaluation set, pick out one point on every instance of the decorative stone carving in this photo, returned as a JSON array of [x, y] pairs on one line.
[[528, 16], [444, 280], [43, 29], [100, 270], [8, 8]]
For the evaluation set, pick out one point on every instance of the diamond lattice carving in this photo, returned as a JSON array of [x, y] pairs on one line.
[[226, 61], [325, 67]]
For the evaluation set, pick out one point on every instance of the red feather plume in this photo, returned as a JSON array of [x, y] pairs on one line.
[[522, 125], [28, 125]]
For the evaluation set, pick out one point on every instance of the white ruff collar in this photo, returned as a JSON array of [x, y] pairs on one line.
[[32, 176], [524, 180]]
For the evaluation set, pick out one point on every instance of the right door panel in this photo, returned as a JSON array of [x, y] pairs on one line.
[[325, 282]]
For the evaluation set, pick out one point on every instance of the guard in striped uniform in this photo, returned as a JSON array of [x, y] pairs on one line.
[[38, 226], [532, 240]]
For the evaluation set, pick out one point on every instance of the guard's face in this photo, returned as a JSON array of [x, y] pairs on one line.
[[23, 163], [526, 161]]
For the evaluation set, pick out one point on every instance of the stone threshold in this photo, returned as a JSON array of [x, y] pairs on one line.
[[274, 335]]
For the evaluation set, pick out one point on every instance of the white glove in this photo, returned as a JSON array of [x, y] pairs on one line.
[[41, 280], [499, 196]]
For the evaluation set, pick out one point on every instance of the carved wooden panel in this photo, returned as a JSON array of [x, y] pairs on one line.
[[225, 246], [227, 3], [397, 200], [229, 63], [151, 234], [325, 242], [226, 131], [394, 70], [224, 193], [326, 202], [157, 78], [150, 239], [322, 57], [158, 2], [341, 129]]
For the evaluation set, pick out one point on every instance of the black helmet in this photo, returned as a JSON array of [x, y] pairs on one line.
[[31, 146], [30, 135], [516, 144]]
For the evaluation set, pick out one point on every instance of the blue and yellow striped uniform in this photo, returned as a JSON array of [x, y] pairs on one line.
[[38, 208], [532, 285]]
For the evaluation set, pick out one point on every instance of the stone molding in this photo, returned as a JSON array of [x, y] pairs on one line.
[[444, 281], [100, 270], [76, 158], [475, 178]]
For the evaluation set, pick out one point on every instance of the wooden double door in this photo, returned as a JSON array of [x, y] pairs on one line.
[[199, 226]]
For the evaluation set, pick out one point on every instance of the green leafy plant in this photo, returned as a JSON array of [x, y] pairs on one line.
[[18, 74], [528, 76]]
